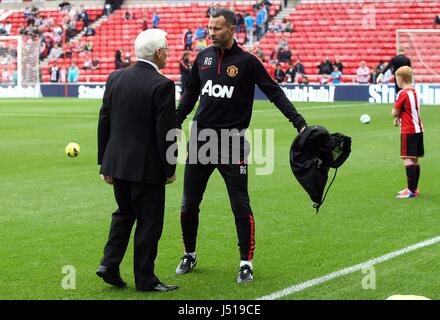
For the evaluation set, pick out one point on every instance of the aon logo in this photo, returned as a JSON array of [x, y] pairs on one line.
[[217, 90]]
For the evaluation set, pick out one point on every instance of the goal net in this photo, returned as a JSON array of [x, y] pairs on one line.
[[422, 47], [19, 61]]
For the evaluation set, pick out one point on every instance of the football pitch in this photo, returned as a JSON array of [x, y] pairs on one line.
[[56, 211]]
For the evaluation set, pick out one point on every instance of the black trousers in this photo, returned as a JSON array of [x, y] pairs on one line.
[[144, 204], [235, 176]]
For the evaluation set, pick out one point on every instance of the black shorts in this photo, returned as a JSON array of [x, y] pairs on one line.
[[411, 145]]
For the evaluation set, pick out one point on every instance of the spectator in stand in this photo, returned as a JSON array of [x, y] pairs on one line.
[[240, 22], [325, 67], [95, 63], [15, 78], [284, 54], [185, 69], [267, 3], [90, 31], [299, 69], [274, 26], [78, 47], [5, 29], [156, 20], [187, 40], [379, 69], [302, 79], [363, 73], [69, 24], [29, 29], [274, 55], [6, 78], [54, 72], [84, 16], [68, 50], [283, 43], [88, 46], [87, 65], [127, 60], [117, 4], [324, 79], [144, 22], [55, 52], [286, 26], [279, 73], [65, 5], [63, 74], [27, 12], [437, 19], [46, 23], [336, 75], [44, 49], [338, 64], [119, 64], [261, 21], [108, 7], [200, 33], [249, 22], [201, 44], [290, 73], [258, 52], [73, 73], [34, 11], [128, 16]]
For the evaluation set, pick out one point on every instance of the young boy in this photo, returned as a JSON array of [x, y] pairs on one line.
[[406, 111]]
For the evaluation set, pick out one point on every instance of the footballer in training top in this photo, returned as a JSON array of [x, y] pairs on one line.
[[225, 80]]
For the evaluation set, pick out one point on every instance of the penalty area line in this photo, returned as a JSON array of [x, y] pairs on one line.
[[346, 271]]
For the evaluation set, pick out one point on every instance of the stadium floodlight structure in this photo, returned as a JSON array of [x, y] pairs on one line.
[[422, 46], [19, 60]]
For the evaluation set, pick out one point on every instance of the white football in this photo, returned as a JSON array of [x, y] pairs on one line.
[[365, 118]]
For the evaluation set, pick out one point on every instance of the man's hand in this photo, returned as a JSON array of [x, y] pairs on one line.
[[107, 179], [396, 121], [170, 179]]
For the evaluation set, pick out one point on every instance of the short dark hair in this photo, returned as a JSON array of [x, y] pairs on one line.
[[229, 15]]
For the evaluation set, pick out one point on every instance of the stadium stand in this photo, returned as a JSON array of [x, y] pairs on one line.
[[117, 33], [353, 30]]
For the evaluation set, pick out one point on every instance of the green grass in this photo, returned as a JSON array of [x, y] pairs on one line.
[[56, 211]]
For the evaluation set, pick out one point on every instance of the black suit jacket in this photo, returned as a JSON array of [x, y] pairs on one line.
[[137, 113]]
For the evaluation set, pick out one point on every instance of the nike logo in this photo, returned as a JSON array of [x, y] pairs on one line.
[[205, 67]]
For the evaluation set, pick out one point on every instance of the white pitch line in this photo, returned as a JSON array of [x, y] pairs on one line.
[[346, 271]]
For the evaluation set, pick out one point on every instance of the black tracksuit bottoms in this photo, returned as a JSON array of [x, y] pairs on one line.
[[235, 176]]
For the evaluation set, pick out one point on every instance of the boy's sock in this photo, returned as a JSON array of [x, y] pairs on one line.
[[412, 175], [417, 174]]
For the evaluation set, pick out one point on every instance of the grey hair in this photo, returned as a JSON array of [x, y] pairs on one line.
[[148, 41]]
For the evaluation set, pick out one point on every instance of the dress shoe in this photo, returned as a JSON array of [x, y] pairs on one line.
[[161, 287], [110, 277]]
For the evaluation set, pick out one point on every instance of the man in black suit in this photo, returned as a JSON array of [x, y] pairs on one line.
[[136, 139]]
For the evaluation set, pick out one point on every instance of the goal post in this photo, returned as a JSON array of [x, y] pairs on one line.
[[19, 60], [422, 46]]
